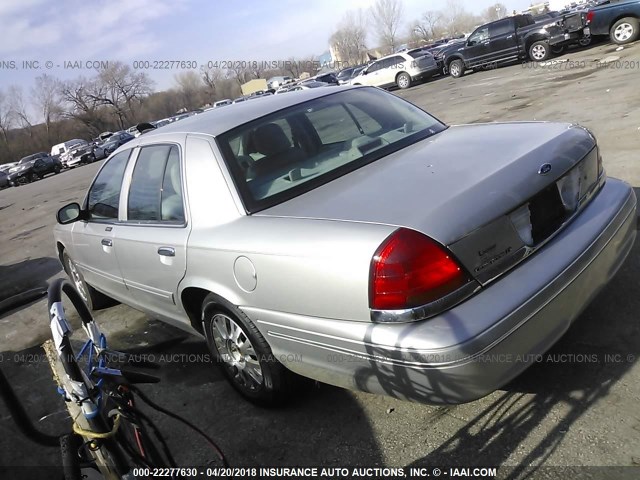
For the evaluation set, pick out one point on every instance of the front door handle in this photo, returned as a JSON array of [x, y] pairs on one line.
[[107, 242], [167, 251]]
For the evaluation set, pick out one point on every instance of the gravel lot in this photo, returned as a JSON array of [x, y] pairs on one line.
[[561, 412]]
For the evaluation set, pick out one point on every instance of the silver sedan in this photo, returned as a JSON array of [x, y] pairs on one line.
[[347, 236]]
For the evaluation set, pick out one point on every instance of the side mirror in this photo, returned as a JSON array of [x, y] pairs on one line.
[[69, 214]]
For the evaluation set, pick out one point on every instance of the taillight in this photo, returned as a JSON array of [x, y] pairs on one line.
[[590, 15], [410, 270]]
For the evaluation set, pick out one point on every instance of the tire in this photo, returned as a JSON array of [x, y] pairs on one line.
[[625, 30], [403, 80], [539, 51], [585, 41], [93, 298], [33, 178], [456, 68], [56, 170], [251, 367]]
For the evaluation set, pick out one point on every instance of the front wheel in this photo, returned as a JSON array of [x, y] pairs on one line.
[[244, 355], [625, 30], [403, 80], [456, 68], [94, 299], [539, 51]]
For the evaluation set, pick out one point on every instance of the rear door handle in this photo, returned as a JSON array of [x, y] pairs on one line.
[[107, 242], [167, 251], [509, 37]]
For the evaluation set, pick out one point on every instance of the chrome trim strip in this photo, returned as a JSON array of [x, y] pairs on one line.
[[426, 311]]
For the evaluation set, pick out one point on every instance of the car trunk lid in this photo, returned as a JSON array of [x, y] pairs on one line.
[[460, 187]]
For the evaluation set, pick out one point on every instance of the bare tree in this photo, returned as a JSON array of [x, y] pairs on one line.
[[121, 89], [211, 78], [6, 119], [495, 12], [386, 16], [19, 108], [458, 20], [433, 23], [83, 105], [46, 99], [190, 89], [349, 40]]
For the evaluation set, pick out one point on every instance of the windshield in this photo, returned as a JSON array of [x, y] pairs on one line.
[[28, 159], [297, 149]]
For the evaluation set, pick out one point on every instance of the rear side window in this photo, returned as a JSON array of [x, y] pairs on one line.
[[155, 194], [104, 195]]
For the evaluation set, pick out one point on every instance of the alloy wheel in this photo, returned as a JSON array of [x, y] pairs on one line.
[[624, 32], [77, 280], [237, 352], [538, 52]]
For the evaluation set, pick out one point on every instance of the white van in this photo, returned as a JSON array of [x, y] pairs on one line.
[[62, 149]]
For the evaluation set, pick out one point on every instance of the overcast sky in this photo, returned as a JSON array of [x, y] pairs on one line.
[[198, 30]]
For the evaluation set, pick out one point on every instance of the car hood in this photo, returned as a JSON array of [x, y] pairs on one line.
[[450, 184]]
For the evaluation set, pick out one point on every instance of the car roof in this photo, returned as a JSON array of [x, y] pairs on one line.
[[217, 121]]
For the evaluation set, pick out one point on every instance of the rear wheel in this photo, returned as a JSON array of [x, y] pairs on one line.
[[94, 299], [456, 68], [625, 31], [244, 355], [403, 80], [56, 170], [539, 51]]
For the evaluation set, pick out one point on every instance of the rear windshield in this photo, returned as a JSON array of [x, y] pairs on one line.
[[292, 151]]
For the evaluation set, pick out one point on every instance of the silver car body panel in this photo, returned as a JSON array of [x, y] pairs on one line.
[[478, 346]]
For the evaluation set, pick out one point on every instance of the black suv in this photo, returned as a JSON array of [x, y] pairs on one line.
[[33, 167]]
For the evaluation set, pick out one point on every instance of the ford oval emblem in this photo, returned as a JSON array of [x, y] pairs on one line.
[[544, 169]]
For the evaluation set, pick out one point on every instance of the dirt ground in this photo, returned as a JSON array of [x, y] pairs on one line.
[[557, 414]]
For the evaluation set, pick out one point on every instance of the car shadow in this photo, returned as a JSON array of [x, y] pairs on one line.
[[23, 282], [575, 374]]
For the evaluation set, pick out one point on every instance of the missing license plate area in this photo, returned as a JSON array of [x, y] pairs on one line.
[[548, 213]]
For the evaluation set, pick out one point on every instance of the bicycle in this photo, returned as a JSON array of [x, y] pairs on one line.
[[110, 433]]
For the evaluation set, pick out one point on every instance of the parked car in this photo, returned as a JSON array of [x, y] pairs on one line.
[[503, 41], [32, 168], [274, 83], [5, 167], [222, 103], [4, 179], [398, 70], [345, 75], [307, 86], [619, 20], [348, 236], [81, 154], [329, 78], [110, 146], [61, 150]]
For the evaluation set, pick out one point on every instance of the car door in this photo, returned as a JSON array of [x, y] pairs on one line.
[[503, 43], [390, 68], [372, 75], [93, 240], [477, 49], [151, 241]]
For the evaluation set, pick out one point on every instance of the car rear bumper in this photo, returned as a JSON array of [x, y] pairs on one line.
[[483, 343]]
